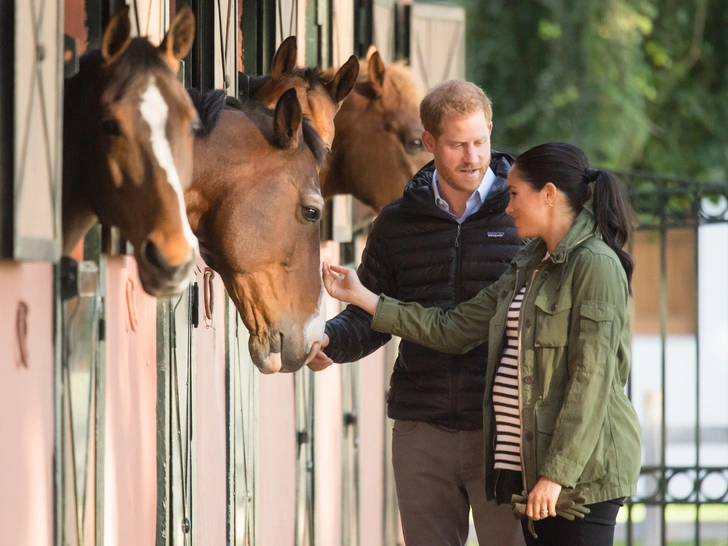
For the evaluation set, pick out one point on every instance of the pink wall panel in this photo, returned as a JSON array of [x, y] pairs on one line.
[[26, 408], [209, 519], [131, 389], [371, 447], [276, 460]]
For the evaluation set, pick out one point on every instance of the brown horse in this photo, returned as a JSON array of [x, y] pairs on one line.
[[255, 206], [127, 150], [378, 142], [320, 98]]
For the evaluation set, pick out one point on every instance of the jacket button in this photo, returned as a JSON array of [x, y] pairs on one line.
[[528, 435], [545, 274], [554, 307], [528, 323], [528, 379]]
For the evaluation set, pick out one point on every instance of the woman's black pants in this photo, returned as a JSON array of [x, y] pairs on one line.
[[596, 529]]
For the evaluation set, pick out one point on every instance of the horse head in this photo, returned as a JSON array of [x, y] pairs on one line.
[[128, 136], [378, 143], [320, 98], [255, 206]]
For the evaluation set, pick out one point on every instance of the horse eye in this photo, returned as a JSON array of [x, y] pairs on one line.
[[111, 127], [414, 146], [311, 214]]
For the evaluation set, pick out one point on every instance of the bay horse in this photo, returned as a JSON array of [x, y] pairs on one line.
[[127, 149], [255, 206], [378, 143], [319, 97]]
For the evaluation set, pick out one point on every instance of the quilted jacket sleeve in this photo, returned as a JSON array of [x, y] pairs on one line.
[[350, 335]]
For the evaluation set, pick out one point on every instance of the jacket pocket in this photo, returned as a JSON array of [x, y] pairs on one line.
[[545, 425], [553, 321], [403, 428], [595, 468]]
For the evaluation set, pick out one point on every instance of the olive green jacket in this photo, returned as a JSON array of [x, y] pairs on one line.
[[578, 427]]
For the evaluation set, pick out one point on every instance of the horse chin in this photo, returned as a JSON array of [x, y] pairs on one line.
[[275, 353]]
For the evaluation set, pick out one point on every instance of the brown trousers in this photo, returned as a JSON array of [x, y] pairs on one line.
[[439, 477]]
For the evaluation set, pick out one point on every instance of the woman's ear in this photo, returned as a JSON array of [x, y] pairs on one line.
[[550, 191]]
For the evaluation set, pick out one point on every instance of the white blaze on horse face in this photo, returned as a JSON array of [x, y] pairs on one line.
[[313, 330], [154, 110]]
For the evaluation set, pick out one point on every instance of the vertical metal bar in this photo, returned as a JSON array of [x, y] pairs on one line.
[[266, 34], [663, 364], [230, 428], [164, 470], [58, 404], [696, 257], [7, 126], [202, 55], [363, 26]]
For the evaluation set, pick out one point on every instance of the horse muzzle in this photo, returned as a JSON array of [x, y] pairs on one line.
[[159, 277]]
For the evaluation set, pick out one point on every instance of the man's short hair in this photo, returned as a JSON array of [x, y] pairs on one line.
[[452, 97]]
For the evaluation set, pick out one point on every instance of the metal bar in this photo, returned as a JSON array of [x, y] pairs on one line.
[[164, 470], [697, 438], [202, 55], [663, 365], [230, 429], [7, 127]]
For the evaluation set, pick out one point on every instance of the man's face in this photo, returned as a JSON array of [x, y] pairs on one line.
[[462, 150]]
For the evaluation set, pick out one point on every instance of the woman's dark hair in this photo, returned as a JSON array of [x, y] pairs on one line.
[[567, 168]]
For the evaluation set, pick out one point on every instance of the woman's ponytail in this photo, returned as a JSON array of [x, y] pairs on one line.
[[614, 217]]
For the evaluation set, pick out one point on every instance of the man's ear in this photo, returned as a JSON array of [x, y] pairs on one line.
[[428, 140], [490, 128]]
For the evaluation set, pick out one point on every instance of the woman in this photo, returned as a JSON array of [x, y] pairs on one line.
[[558, 328]]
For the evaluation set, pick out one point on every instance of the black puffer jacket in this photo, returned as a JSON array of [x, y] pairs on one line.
[[417, 252]]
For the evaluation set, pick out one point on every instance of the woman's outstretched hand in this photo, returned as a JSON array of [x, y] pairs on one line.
[[343, 284]]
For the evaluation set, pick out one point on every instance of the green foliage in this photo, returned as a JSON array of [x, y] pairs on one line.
[[638, 84]]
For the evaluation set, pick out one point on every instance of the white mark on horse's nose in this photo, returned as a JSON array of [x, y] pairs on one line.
[[154, 110], [313, 330]]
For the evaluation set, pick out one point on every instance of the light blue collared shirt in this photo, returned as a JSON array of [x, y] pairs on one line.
[[474, 202]]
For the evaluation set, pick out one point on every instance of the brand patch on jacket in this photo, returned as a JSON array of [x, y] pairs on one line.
[[496, 233]]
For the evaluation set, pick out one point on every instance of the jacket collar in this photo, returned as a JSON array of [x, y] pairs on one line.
[[583, 228]]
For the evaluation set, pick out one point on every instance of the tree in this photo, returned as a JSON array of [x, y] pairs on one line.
[[638, 84]]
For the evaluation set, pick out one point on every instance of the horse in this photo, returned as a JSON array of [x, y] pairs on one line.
[[255, 206], [378, 143], [320, 98], [127, 149]]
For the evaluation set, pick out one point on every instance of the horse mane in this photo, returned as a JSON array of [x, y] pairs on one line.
[[210, 105], [311, 75]]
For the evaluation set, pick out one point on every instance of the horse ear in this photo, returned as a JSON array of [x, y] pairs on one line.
[[376, 73], [284, 61], [344, 80], [371, 51], [179, 38], [288, 121], [116, 36]]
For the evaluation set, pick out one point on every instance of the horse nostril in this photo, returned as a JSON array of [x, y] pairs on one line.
[[155, 258]]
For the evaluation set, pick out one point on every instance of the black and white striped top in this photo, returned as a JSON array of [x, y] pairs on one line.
[[505, 395]]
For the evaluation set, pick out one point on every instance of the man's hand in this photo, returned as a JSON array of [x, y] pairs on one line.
[[321, 361]]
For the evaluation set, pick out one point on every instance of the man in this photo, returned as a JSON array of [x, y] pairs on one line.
[[442, 242]]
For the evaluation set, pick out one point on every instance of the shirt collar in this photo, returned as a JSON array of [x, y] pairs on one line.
[[474, 201]]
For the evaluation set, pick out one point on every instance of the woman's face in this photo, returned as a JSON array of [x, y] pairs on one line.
[[527, 206]]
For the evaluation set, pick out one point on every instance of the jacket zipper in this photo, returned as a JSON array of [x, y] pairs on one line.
[[520, 402], [458, 295]]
